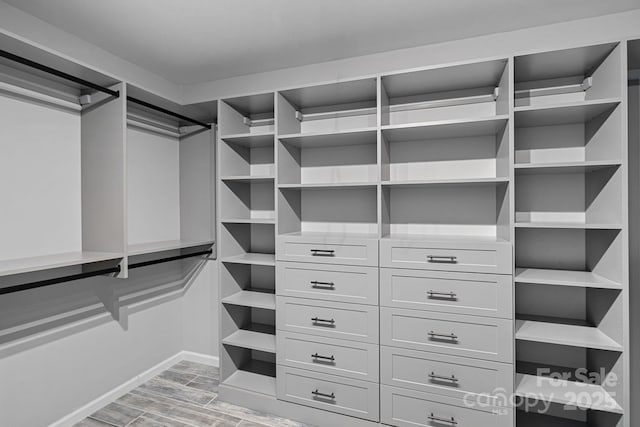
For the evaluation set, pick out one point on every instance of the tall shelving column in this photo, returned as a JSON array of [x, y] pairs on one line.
[[246, 212], [571, 236]]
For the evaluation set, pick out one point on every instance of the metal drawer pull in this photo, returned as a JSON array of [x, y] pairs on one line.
[[317, 356], [452, 378], [433, 294], [442, 259], [451, 421], [450, 336], [319, 320], [322, 252], [317, 284], [326, 396]]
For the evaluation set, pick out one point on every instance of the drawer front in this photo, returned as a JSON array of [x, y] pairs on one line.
[[409, 408], [468, 336], [473, 258], [353, 284], [443, 374], [343, 395], [327, 250], [330, 356], [462, 293], [355, 322]]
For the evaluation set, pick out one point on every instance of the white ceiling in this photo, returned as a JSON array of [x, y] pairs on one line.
[[192, 41]]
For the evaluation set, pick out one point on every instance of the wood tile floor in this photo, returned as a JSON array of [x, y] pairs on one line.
[[184, 395]]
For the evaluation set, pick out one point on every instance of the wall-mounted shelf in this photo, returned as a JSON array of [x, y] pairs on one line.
[[49, 262]]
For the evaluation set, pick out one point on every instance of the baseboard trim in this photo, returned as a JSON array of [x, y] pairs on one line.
[[119, 391]]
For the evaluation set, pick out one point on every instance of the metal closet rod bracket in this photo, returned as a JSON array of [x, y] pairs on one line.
[[57, 73]]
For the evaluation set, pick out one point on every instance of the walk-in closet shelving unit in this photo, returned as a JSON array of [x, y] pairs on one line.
[[247, 243], [78, 186], [571, 236]]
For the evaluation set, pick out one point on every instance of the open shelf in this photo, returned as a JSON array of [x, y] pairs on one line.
[[247, 200], [445, 129], [330, 138], [248, 178], [571, 112], [250, 140], [328, 186], [330, 108], [168, 245], [564, 334], [252, 258], [565, 167], [252, 340], [446, 182], [251, 298], [562, 391], [583, 279], [246, 119], [258, 383], [576, 225], [570, 75], [477, 89], [248, 221], [560, 418], [46, 262]]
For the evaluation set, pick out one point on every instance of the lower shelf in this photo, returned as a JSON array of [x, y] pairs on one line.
[[582, 395], [252, 340], [564, 334], [252, 381]]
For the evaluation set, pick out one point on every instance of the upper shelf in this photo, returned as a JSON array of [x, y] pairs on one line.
[[570, 112], [251, 139], [167, 245], [47, 262], [361, 136], [441, 129]]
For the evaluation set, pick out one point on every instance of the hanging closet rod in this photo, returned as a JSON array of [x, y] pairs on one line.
[[584, 86], [58, 73], [173, 258], [56, 280], [168, 112], [258, 122]]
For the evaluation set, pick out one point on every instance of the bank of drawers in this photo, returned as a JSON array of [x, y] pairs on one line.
[[446, 333], [327, 319]]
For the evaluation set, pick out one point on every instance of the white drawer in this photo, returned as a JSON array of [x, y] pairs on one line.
[[468, 336], [473, 257], [444, 374], [340, 283], [355, 322], [410, 408], [330, 356], [327, 250], [462, 293], [343, 395]]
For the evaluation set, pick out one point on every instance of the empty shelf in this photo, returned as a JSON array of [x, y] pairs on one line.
[[335, 138], [169, 245], [563, 334], [252, 299], [248, 221], [565, 225], [252, 340], [575, 112], [331, 235], [564, 167], [564, 392], [458, 128], [46, 262], [327, 186], [252, 258], [564, 278], [250, 381], [248, 178], [463, 181], [250, 139], [445, 238]]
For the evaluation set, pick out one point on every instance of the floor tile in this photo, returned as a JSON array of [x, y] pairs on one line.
[[152, 420], [178, 392], [197, 369], [205, 384], [245, 423], [253, 415], [116, 414], [177, 376], [88, 422]]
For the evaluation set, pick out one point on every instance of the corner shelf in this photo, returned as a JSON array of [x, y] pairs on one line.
[[564, 334], [583, 279]]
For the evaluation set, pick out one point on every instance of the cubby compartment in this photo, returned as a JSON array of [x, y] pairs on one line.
[[577, 75], [556, 416], [245, 161], [575, 379], [247, 118], [458, 210], [250, 370], [567, 197], [347, 210], [570, 256], [328, 160], [468, 151], [170, 170], [248, 285], [455, 92], [576, 136], [246, 201], [246, 242], [330, 109], [62, 176]]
